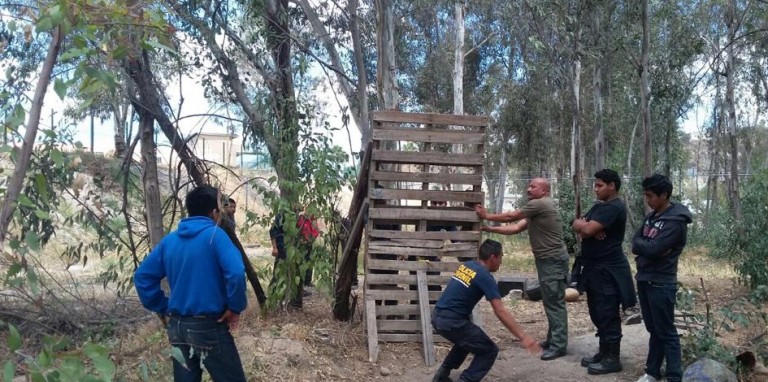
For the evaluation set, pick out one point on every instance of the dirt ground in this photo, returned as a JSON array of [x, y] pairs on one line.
[[308, 345]]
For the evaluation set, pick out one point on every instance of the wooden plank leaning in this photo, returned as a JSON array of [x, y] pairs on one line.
[[426, 318]]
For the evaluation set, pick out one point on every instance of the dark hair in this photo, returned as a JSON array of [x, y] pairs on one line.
[[232, 201], [658, 184], [489, 248], [609, 176], [202, 200]]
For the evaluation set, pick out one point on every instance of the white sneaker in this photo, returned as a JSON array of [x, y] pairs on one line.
[[647, 378]]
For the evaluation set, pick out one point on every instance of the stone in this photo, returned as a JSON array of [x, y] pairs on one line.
[[384, 371], [708, 370], [571, 295]]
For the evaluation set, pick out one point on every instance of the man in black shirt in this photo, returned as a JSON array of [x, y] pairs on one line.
[[606, 275]]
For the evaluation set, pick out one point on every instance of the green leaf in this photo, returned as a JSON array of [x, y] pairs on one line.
[[42, 186], [144, 372], [42, 215], [17, 117], [57, 157], [26, 201], [101, 361], [14, 339], [44, 24], [179, 356], [33, 282], [33, 240], [60, 87], [9, 370], [158, 46], [13, 270]]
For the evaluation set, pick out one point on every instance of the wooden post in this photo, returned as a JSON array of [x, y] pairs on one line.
[[373, 337], [426, 318]]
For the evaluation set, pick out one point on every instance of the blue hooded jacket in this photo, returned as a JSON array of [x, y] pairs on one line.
[[205, 271]]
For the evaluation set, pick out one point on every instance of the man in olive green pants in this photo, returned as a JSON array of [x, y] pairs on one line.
[[545, 229]]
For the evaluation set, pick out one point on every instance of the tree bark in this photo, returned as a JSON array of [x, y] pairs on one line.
[[152, 205], [386, 69], [16, 182], [502, 182], [359, 109], [576, 157], [730, 85], [644, 92]]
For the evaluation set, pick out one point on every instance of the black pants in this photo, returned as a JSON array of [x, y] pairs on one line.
[[467, 338], [603, 302]]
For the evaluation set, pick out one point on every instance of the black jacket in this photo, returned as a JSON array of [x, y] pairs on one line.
[[658, 243]]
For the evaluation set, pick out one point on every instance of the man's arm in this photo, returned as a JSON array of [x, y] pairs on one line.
[[233, 270], [660, 245], [587, 228], [506, 318], [504, 217], [509, 229], [147, 281]]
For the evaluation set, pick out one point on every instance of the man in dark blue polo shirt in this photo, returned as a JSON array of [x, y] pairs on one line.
[[207, 279], [452, 318]]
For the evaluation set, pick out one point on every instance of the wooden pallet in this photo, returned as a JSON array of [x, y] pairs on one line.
[[411, 247]]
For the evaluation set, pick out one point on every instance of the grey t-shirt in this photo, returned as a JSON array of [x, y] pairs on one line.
[[545, 228]]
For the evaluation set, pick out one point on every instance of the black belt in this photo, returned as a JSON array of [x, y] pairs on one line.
[[196, 316]]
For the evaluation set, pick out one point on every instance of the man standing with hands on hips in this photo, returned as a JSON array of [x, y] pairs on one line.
[[545, 229], [206, 275]]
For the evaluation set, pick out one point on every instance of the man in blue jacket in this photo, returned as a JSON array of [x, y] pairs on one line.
[[657, 246], [207, 280]]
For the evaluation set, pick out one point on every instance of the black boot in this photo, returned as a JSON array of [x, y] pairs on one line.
[[586, 361], [443, 374], [610, 363]]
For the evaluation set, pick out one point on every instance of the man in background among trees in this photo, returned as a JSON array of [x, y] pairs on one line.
[[542, 220], [606, 276], [657, 246], [207, 280]]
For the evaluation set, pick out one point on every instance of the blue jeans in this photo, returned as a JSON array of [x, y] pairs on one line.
[[204, 342], [657, 301], [467, 338]]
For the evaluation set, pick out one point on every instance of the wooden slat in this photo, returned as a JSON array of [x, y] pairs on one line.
[[467, 137], [472, 236], [433, 158], [375, 279], [429, 118], [425, 319], [403, 337], [381, 294], [430, 195], [427, 177], [402, 309], [412, 326], [433, 266], [373, 338], [422, 214], [442, 246], [409, 251]]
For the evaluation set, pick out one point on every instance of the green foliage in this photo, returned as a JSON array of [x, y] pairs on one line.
[[566, 202], [57, 360], [744, 243], [321, 177], [705, 329]]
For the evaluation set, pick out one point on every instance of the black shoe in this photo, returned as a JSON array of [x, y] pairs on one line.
[[610, 363], [443, 374], [544, 344], [586, 361], [550, 354]]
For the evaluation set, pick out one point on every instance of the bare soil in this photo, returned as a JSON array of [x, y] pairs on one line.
[[309, 345]]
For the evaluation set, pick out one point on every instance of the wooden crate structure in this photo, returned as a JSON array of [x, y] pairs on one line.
[[417, 162]]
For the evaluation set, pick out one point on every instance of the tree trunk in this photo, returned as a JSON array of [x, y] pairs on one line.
[[362, 78], [386, 69], [458, 66], [16, 182], [120, 113], [502, 183], [644, 93], [152, 205], [359, 109], [576, 157], [597, 88], [730, 85]]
